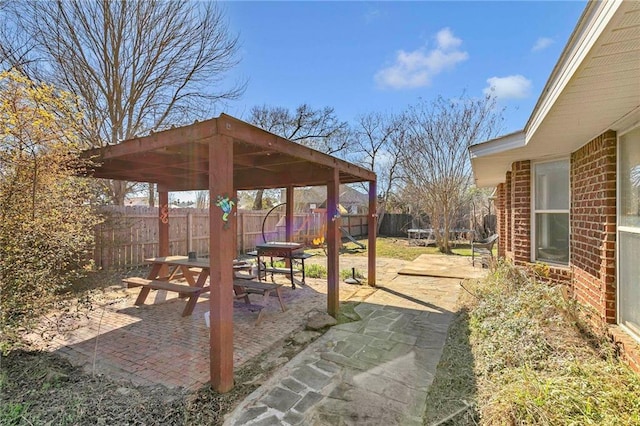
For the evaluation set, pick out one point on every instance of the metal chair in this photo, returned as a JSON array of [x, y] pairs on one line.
[[483, 248]]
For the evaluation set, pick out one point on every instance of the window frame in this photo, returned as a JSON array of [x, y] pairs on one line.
[[534, 211], [622, 229]]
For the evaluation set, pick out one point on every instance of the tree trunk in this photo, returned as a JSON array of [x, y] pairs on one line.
[[257, 202], [152, 194], [118, 192]]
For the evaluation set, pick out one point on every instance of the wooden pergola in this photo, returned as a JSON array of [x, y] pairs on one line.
[[224, 155]]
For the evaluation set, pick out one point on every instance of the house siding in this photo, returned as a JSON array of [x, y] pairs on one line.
[[593, 225]]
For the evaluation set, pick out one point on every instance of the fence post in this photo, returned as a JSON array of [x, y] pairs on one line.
[[189, 232], [241, 228]]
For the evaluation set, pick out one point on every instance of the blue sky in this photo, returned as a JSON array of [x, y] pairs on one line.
[[361, 57]]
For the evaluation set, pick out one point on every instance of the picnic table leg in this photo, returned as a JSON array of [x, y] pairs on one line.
[[142, 296], [155, 270], [260, 269], [189, 277], [280, 299], [241, 293], [293, 284], [191, 304]]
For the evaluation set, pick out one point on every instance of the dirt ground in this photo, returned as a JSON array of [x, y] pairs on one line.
[[43, 388]]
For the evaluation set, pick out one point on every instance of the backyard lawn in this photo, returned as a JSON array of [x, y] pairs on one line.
[[395, 248]]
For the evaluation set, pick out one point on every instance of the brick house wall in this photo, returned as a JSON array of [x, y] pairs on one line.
[[508, 237], [521, 211], [593, 225], [501, 225], [591, 274]]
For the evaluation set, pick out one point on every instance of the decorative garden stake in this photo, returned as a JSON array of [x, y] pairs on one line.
[[164, 214], [226, 205]]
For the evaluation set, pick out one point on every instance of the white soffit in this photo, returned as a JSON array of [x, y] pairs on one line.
[[603, 88], [594, 87]]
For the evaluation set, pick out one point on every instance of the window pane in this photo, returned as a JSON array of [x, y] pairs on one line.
[[630, 179], [629, 291], [552, 185], [552, 237]]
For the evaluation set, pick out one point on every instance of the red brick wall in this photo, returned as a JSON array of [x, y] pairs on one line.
[[521, 211], [500, 204], [592, 263], [508, 235], [593, 225]]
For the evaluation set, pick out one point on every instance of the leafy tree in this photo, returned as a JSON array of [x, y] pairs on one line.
[[319, 129], [136, 66], [436, 164], [46, 218]]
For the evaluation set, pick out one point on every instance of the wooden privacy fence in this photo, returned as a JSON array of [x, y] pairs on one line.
[[129, 234]]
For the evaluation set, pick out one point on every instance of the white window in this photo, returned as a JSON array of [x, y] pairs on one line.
[[551, 212], [629, 231]]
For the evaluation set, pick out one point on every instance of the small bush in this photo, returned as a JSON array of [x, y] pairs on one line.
[[348, 273], [315, 271]]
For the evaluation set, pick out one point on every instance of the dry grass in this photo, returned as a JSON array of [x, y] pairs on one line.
[[534, 363]]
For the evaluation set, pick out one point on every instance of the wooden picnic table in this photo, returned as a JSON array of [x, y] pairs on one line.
[[194, 271]]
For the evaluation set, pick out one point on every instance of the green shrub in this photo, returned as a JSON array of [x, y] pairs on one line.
[[348, 273], [46, 220], [315, 271]]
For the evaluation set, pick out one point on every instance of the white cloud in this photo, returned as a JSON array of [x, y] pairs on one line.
[[447, 40], [417, 68], [372, 15], [542, 43], [510, 87]]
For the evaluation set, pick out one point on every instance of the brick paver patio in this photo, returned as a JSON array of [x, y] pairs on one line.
[[154, 344]]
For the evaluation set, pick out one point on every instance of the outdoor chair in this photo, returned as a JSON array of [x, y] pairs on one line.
[[483, 248]]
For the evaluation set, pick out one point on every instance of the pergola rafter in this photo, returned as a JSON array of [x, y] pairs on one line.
[[224, 155]]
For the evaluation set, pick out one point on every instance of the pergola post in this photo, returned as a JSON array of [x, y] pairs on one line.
[[163, 227], [163, 221], [289, 220], [222, 227], [372, 229], [333, 244]]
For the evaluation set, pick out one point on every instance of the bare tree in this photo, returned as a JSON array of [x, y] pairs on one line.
[[379, 140], [316, 128], [202, 199], [15, 47], [136, 66], [437, 168]]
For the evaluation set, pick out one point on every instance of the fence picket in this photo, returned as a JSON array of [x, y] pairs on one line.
[[130, 233]]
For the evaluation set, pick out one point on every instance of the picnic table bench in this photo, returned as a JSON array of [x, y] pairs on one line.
[[184, 291], [242, 288]]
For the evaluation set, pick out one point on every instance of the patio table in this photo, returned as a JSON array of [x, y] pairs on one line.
[[285, 250]]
